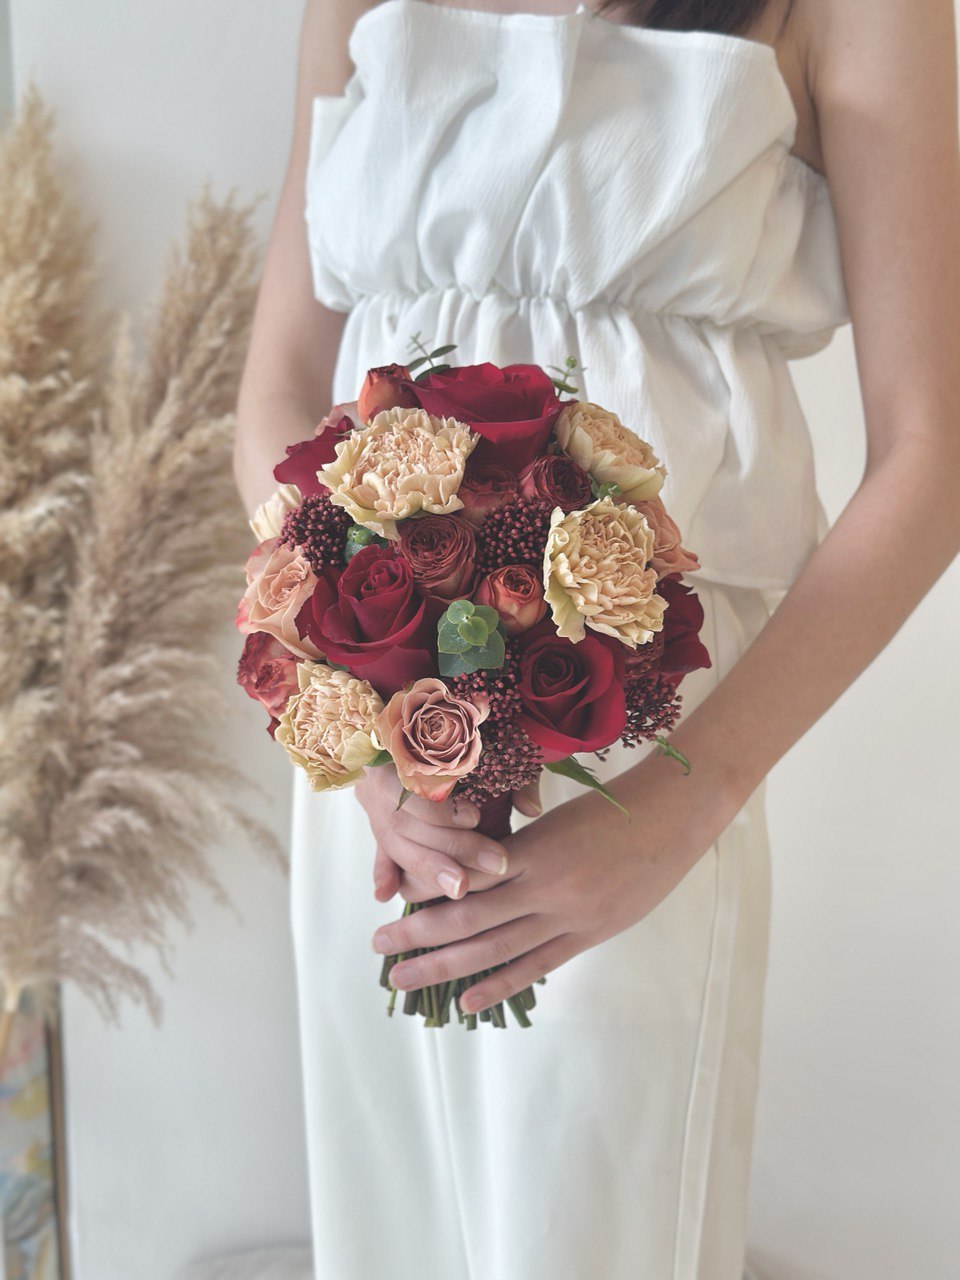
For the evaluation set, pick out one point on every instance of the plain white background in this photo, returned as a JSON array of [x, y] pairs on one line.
[[187, 1139]]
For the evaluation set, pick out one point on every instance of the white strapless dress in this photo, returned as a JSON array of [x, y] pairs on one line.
[[527, 187]]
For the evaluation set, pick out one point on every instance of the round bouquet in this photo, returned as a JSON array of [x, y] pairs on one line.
[[466, 575]]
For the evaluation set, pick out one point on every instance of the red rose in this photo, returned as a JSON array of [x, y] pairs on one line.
[[267, 670], [371, 619], [440, 551], [385, 387], [572, 694], [516, 592], [513, 408], [485, 487], [557, 479], [304, 460], [682, 620]]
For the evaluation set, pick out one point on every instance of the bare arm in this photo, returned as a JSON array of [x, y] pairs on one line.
[[883, 76], [286, 385]]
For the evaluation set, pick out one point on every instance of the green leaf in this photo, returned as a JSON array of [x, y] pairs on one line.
[[404, 796], [488, 614], [475, 631], [412, 364], [665, 748], [382, 757], [605, 489], [457, 610], [493, 653], [442, 351], [454, 664], [449, 639], [570, 767]]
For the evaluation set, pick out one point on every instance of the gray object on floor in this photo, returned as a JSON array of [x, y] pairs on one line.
[[282, 1262]]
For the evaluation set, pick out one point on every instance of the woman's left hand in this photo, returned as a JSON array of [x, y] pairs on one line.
[[577, 876]]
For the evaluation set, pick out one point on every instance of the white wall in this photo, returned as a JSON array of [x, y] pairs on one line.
[[189, 1139]]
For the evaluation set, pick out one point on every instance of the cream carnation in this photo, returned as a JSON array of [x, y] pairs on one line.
[[612, 453], [668, 555], [404, 462], [268, 518], [330, 727], [595, 573]]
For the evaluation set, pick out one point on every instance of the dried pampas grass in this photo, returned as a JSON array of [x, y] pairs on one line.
[[111, 785]]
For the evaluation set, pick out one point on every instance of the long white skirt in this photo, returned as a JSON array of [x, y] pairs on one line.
[[609, 1141]]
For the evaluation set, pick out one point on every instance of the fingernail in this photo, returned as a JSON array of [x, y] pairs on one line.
[[492, 860], [381, 940], [449, 883]]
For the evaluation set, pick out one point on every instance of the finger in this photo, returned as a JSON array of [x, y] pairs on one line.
[[386, 876], [414, 890], [484, 951], [520, 974], [452, 812], [428, 865], [527, 799], [445, 922], [467, 847]]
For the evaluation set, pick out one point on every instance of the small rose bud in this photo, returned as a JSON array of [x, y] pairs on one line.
[[383, 388]]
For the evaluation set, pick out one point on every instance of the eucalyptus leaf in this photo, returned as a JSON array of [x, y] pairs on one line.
[[475, 631], [449, 639], [454, 664], [442, 351], [457, 610], [488, 614], [493, 653], [412, 364], [571, 767]]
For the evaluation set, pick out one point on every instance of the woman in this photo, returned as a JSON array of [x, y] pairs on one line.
[[683, 198]]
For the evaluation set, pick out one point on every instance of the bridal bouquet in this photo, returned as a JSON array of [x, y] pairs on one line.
[[465, 575]]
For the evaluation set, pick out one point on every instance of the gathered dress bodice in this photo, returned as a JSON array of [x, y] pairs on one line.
[[535, 186]]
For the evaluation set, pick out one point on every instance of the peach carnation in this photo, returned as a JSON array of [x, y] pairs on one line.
[[668, 555], [406, 461], [612, 453], [268, 518], [595, 573], [279, 582], [433, 736], [329, 728]]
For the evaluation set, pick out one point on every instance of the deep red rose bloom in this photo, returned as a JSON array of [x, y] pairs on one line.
[[682, 620], [385, 387], [572, 694], [267, 670], [513, 408], [371, 619], [485, 487], [440, 551], [557, 479], [304, 460]]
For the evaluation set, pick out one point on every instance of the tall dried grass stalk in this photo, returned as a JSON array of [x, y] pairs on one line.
[[111, 790]]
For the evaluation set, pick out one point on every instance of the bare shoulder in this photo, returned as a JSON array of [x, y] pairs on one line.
[[882, 76], [324, 62]]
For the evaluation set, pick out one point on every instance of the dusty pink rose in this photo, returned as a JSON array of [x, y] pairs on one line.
[[280, 581], [267, 670], [432, 736], [668, 555], [558, 480], [516, 592]]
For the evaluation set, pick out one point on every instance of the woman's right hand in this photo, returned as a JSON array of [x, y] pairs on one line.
[[427, 848]]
